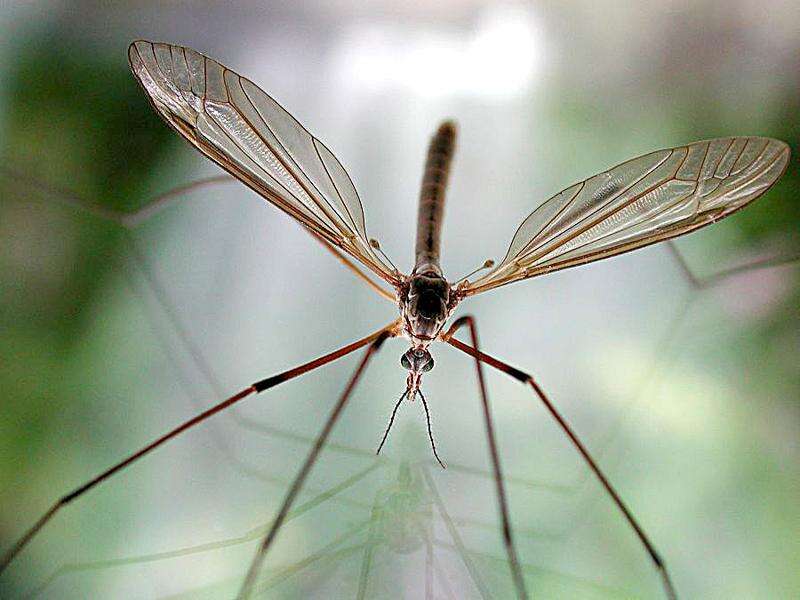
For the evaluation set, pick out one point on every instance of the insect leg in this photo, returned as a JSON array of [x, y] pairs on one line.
[[257, 387], [527, 379], [249, 536], [153, 206], [372, 541], [443, 581], [428, 569], [129, 220], [669, 338], [158, 290], [516, 572], [331, 553], [452, 530], [700, 283], [377, 340]]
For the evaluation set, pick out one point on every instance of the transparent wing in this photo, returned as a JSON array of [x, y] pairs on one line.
[[237, 125], [644, 200]]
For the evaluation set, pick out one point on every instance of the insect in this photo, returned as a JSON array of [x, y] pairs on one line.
[[648, 199]]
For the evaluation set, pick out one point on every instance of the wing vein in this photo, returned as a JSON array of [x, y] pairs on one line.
[[547, 250], [315, 198], [656, 201]]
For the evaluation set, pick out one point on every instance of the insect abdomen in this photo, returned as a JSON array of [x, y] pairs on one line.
[[432, 196]]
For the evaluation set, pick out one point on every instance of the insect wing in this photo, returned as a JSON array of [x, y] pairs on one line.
[[639, 202], [245, 131]]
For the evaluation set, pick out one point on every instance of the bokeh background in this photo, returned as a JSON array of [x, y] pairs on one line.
[[685, 386]]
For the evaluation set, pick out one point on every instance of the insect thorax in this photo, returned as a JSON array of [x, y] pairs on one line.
[[425, 305]]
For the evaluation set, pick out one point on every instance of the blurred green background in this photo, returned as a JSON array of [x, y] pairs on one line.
[[687, 393]]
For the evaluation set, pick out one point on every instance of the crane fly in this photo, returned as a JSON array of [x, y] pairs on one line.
[[651, 198]]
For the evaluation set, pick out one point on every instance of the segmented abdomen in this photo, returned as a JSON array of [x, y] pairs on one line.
[[432, 196]]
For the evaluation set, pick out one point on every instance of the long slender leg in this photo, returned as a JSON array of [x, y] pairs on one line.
[[327, 556], [369, 547], [454, 535], [248, 536], [192, 386], [196, 355], [258, 559], [443, 581], [257, 387], [665, 344], [528, 379], [584, 587], [765, 263], [536, 534], [327, 552], [686, 271], [153, 206], [203, 366], [428, 568], [425, 528], [130, 220], [699, 283], [667, 341], [555, 488], [508, 540]]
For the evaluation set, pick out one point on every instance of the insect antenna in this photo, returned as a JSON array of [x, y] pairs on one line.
[[487, 265], [391, 420], [430, 433]]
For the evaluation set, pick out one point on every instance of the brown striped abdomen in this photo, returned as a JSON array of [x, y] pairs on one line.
[[431, 198]]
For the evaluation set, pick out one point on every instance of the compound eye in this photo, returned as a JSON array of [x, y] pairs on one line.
[[428, 365], [404, 362]]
